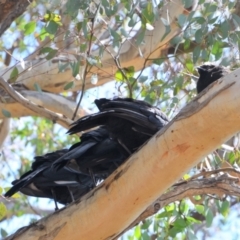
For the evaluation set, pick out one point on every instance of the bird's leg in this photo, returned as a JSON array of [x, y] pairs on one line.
[[71, 194], [55, 199]]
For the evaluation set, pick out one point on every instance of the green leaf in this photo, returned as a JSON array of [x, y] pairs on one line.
[[62, 67], [191, 220], [224, 28], [140, 36], [159, 61], [29, 28], [148, 14], [3, 233], [173, 232], [156, 83], [3, 211], [180, 223], [209, 217], [146, 224], [119, 76], [1, 190], [225, 208], [51, 54], [37, 87], [6, 113], [79, 26], [46, 50], [72, 7], [199, 208], [182, 20], [52, 27], [167, 28], [217, 49], [13, 75], [196, 53], [212, 8], [200, 20], [75, 68], [186, 44], [187, 3], [205, 55], [129, 71], [199, 36], [212, 19], [143, 79], [83, 47], [116, 37], [145, 236], [164, 214], [43, 34], [189, 65], [236, 19], [191, 235], [137, 232], [69, 85]]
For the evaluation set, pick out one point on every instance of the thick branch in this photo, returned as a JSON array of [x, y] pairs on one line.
[[64, 121], [196, 131], [53, 102], [9, 11]]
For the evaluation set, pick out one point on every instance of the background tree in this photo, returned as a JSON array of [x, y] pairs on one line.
[[58, 54]]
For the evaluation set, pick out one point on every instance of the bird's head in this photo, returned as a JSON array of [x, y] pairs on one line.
[[209, 73]]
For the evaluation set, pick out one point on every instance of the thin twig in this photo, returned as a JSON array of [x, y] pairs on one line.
[[86, 70], [55, 117]]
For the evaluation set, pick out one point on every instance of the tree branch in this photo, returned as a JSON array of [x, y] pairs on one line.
[[55, 117], [9, 11]]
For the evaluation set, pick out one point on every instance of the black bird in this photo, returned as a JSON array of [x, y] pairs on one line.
[[97, 155], [42, 181], [129, 122], [209, 73]]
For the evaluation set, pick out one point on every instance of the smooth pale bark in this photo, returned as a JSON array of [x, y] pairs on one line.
[[198, 129], [46, 73], [53, 102]]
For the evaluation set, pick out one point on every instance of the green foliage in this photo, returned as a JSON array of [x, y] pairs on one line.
[[3, 210], [29, 28], [13, 75], [6, 113], [69, 85], [37, 87], [50, 52]]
